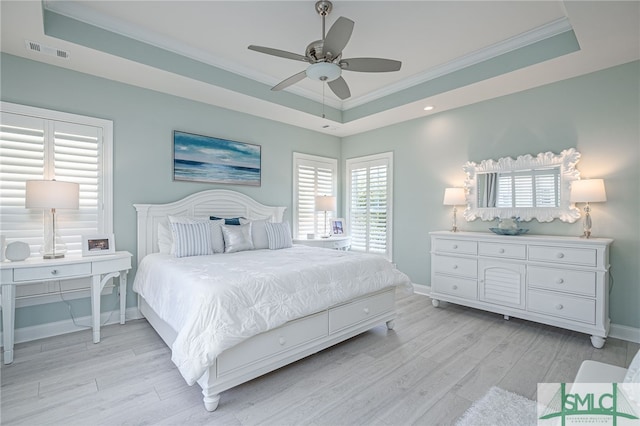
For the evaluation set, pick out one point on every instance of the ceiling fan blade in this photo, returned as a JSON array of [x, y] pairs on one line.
[[290, 81], [340, 88], [278, 52], [370, 64], [338, 36]]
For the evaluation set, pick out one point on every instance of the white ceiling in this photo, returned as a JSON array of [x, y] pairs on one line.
[[429, 37]]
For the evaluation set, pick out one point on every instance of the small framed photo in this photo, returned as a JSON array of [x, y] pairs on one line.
[[95, 245], [338, 226]]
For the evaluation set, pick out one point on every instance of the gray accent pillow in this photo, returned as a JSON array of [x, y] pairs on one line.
[[237, 237]]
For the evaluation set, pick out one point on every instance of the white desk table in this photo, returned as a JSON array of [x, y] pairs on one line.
[[100, 268], [336, 242]]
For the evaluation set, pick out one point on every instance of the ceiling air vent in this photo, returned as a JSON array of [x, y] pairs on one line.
[[47, 50]]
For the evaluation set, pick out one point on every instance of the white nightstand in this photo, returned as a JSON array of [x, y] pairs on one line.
[[99, 268], [334, 242]]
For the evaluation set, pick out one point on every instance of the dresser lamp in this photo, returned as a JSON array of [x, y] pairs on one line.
[[587, 191], [325, 203], [454, 197], [50, 195]]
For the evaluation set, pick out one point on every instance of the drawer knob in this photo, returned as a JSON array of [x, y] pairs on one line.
[[501, 250], [366, 311], [559, 306], [455, 246], [559, 281], [282, 341], [560, 255], [54, 272], [455, 266], [455, 287]]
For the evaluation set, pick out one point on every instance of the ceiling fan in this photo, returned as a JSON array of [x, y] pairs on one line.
[[325, 56]]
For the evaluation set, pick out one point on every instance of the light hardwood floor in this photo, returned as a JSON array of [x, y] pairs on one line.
[[427, 371]]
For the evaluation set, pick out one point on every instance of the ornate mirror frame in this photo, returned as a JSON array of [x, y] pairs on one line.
[[566, 211]]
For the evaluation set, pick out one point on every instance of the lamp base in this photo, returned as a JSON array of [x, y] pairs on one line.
[[53, 256]]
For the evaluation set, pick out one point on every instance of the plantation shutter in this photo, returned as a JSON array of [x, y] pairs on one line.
[[313, 176], [42, 148], [529, 188], [369, 203]]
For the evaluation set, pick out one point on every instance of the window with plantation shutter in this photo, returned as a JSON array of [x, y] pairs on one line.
[[529, 188], [42, 144], [313, 175], [369, 203]]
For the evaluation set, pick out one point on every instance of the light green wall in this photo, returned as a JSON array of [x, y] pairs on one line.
[[143, 122], [598, 114]]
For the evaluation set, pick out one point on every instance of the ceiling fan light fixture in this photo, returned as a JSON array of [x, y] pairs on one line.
[[324, 71]]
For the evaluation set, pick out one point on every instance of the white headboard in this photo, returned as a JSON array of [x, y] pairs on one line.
[[214, 202]]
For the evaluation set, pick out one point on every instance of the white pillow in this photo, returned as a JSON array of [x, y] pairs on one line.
[[279, 235], [165, 239], [259, 234], [191, 239], [217, 240], [237, 237]]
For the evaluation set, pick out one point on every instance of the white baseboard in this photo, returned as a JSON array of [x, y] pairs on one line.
[[622, 332], [27, 334], [423, 290]]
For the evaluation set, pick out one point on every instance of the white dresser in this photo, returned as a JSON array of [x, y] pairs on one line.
[[560, 281]]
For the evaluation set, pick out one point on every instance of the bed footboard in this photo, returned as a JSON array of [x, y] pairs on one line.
[[292, 341]]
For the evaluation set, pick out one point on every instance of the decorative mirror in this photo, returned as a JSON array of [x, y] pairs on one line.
[[527, 187]]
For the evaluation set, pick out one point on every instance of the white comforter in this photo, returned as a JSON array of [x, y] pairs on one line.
[[215, 302]]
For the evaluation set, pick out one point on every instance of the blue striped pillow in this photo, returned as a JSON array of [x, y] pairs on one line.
[[279, 235], [191, 239]]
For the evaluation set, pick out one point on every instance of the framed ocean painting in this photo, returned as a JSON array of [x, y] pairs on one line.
[[198, 158]]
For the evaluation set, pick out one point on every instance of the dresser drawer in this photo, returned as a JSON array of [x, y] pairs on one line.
[[566, 280], [53, 272], [344, 316], [511, 251], [562, 305], [455, 246], [272, 342], [566, 255], [456, 266], [459, 287]]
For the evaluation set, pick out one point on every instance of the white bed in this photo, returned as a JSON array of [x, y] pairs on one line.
[[268, 338]]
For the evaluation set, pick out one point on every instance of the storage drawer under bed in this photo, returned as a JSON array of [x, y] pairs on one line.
[[272, 342], [360, 310]]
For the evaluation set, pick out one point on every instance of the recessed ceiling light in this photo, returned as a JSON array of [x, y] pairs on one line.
[[429, 108]]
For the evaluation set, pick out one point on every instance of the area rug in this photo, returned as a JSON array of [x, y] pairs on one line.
[[499, 407]]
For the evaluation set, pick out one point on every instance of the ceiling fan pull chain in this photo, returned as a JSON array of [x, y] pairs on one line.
[[323, 99]]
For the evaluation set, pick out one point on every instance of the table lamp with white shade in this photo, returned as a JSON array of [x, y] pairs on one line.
[[454, 197], [50, 195], [587, 191], [325, 203]]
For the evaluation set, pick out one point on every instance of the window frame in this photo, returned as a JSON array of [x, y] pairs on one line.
[[105, 206], [369, 161], [312, 161]]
